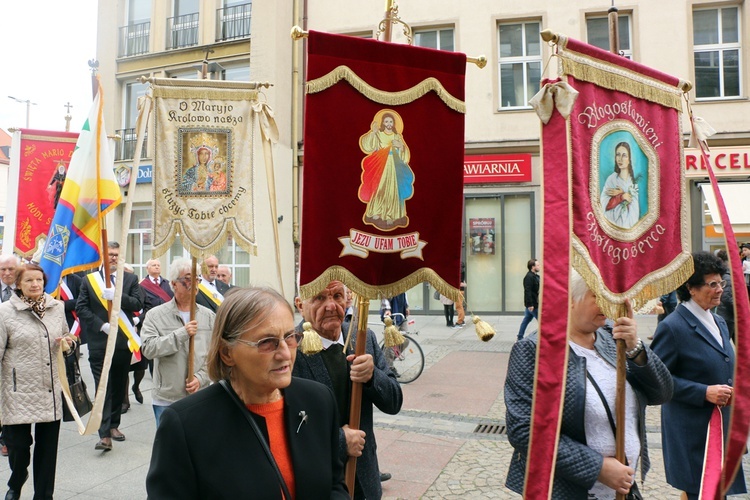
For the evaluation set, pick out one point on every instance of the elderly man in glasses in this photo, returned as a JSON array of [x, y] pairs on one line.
[[165, 336], [338, 370]]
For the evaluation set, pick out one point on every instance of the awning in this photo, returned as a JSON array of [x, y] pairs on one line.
[[736, 196]]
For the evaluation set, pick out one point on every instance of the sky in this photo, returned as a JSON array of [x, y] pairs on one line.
[[46, 46]]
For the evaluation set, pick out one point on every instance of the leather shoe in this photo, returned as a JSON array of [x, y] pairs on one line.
[[125, 408], [117, 435], [13, 495], [4, 451], [104, 444], [137, 394], [385, 476]]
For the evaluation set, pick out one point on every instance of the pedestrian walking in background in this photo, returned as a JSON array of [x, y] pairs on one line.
[[530, 296], [32, 331], [448, 310]]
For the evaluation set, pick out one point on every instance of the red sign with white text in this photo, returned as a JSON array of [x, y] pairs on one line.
[[483, 169]]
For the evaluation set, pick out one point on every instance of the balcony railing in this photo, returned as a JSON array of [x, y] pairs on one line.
[[233, 22], [182, 31], [126, 145], [134, 39]]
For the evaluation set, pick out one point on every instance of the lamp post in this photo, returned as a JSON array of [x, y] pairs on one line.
[[28, 106]]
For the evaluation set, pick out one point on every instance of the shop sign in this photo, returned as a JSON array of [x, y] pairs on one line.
[[483, 169], [122, 174], [725, 162]]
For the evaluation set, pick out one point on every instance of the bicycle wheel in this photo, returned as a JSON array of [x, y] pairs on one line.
[[406, 360]]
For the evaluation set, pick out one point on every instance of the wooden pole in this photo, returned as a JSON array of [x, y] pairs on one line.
[[614, 47], [363, 308], [193, 307]]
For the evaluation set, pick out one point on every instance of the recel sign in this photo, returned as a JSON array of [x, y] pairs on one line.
[[483, 169]]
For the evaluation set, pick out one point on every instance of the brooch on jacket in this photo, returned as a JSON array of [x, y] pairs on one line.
[[303, 419]]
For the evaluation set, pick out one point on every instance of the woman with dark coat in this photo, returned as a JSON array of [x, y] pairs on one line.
[[206, 446], [694, 344], [586, 467]]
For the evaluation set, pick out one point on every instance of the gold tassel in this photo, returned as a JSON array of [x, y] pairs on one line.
[[484, 331], [311, 343], [392, 336]]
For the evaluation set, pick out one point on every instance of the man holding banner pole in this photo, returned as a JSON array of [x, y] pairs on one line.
[[333, 368], [92, 307]]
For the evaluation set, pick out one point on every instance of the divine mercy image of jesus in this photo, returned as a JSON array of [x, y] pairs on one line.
[[387, 178]]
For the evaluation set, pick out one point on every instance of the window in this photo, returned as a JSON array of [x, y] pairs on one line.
[[233, 21], [716, 39], [441, 39], [597, 30], [182, 29], [134, 37], [236, 72], [126, 145], [520, 63]]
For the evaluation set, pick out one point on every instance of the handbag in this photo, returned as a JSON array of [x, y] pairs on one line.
[[634, 493], [78, 394], [436, 295]]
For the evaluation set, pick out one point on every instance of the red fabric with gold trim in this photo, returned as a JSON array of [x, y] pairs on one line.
[[42, 152], [383, 167], [612, 146]]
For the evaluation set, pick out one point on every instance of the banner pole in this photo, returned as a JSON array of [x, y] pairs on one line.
[[614, 47], [388, 20], [363, 308], [193, 307]]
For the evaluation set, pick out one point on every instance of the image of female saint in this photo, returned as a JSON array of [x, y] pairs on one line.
[[197, 178], [54, 188], [387, 178], [619, 197]]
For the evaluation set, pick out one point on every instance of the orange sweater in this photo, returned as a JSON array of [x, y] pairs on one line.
[[279, 444]]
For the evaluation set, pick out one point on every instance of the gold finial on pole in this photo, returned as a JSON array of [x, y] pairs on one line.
[[549, 36], [480, 61], [298, 33]]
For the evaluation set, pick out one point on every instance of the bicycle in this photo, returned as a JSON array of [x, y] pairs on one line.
[[406, 360]]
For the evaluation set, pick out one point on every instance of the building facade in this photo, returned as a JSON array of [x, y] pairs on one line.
[[701, 41]]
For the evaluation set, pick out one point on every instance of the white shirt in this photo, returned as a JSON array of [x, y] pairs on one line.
[[706, 318], [328, 343]]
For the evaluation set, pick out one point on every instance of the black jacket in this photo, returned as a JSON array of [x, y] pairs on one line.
[[531, 290], [205, 449]]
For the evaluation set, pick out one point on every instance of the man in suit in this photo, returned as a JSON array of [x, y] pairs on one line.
[[8, 266], [211, 291], [325, 312], [225, 274], [92, 311], [530, 296]]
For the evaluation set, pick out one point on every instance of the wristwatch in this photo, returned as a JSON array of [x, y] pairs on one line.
[[635, 351]]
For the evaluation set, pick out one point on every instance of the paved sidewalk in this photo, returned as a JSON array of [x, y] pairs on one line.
[[430, 447]]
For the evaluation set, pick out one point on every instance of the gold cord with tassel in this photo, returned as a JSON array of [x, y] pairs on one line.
[[392, 336], [311, 343], [484, 331]]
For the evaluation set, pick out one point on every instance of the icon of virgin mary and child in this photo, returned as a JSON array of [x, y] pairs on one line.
[[208, 174], [387, 178]]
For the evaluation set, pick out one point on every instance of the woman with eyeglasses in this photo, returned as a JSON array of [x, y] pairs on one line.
[[695, 346], [258, 432], [165, 338]]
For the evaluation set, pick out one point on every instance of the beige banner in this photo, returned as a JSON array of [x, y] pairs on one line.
[[203, 166]]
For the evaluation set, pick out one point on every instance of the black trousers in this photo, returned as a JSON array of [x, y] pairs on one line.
[[18, 439], [116, 386], [448, 310]]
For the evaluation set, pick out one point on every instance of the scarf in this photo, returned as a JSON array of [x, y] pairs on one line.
[[36, 305]]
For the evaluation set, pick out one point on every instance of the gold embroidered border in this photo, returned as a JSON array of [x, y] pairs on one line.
[[615, 77], [382, 96], [205, 94], [372, 292], [650, 286]]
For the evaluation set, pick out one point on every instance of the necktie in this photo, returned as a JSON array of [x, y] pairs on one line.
[[112, 278], [156, 281], [6, 293]]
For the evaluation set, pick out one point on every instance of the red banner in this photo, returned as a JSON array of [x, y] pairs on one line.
[[383, 166], [44, 160], [612, 147]]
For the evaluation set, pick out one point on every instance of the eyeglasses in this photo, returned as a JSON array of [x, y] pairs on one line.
[[716, 284], [186, 280], [270, 344]]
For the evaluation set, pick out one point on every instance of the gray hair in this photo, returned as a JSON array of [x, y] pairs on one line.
[[151, 261], [177, 267], [578, 286], [10, 258], [242, 310]]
